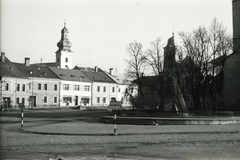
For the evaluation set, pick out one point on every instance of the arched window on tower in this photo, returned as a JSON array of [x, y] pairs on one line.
[[66, 60]]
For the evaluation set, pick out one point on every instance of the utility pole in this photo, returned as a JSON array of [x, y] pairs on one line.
[[1, 93]]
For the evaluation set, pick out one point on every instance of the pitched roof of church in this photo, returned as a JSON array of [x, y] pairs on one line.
[[148, 81]]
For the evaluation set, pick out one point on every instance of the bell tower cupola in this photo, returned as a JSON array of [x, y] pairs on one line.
[[64, 53]]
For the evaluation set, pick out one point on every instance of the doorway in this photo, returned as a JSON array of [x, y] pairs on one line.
[[76, 100], [32, 101], [6, 102]]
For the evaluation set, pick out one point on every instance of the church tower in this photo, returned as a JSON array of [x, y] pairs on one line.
[[169, 57], [236, 25], [64, 54], [172, 90]]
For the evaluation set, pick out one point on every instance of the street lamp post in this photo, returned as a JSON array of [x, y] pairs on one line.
[[33, 66], [32, 93]]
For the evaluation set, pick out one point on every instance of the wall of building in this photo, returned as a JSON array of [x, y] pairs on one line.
[[71, 95], [12, 95], [61, 56], [44, 97], [103, 96], [232, 65], [232, 83]]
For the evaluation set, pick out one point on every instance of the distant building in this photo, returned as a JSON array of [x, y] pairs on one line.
[[103, 87], [122, 87], [43, 84], [14, 85], [75, 87], [56, 83], [232, 65], [150, 89]]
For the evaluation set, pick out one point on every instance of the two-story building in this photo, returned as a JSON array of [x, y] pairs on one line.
[[75, 87], [122, 88], [14, 87], [43, 84], [103, 87]]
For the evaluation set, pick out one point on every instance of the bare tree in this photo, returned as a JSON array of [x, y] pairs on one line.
[[136, 65], [220, 47], [203, 50], [154, 57]]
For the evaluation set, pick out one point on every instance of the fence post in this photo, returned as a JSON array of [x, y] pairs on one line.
[[115, 124], [22, 120]]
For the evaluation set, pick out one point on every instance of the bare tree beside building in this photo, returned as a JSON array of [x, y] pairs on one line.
[[154, 57], [205, 51], [135, 67]]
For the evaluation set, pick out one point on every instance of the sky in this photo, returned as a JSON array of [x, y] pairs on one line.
[[100, 30]]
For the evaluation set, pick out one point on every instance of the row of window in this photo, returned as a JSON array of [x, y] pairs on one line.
[[103, 99], [18, 100], [45, 100], [105, 89], [69, 100], [65, 87], [18, 87], [76, 87], [22, 87], [65, 99], [45, 87]]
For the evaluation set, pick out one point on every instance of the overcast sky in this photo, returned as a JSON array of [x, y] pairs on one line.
[[100, 30]]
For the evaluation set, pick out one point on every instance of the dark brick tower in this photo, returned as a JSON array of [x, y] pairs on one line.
[[232, 65], [172, 90], [236, 25]]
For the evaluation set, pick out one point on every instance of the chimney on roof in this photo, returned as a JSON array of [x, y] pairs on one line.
[[27, 61], [96, 68], [111, 71], [3, 56]]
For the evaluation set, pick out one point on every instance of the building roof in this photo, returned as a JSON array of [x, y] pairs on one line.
[[9, 69], [49, 64], [96, 75], [70, 75], [36, 70], [232, 54], [148, 81], [114, 78]]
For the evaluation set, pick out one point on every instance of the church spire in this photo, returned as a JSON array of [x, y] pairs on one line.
[[64, 54], [64, 43]]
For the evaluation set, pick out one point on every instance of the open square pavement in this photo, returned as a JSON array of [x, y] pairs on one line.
[[54, 134]]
